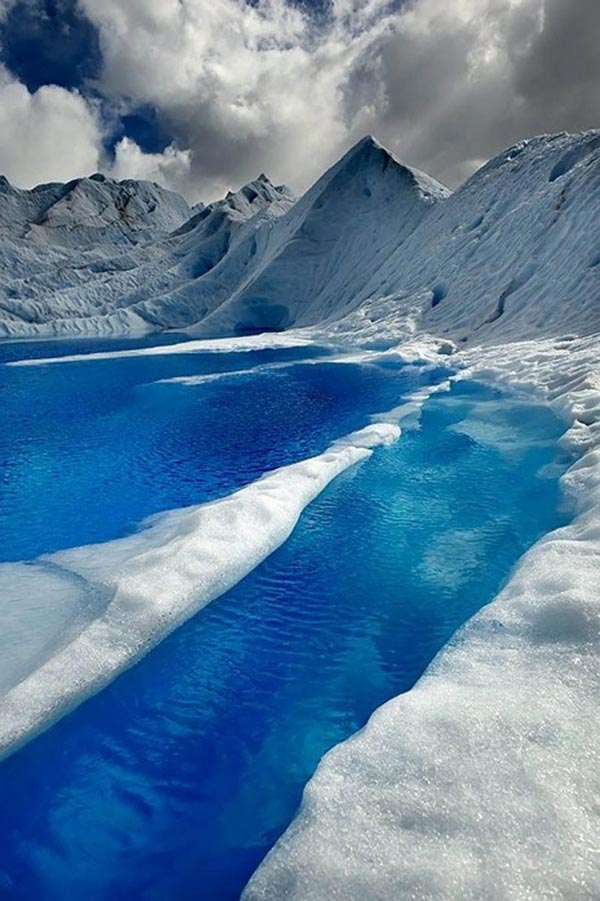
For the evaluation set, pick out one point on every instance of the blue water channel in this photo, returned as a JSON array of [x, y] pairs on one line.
[[175, 781]]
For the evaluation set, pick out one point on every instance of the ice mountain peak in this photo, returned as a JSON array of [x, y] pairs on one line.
[[369, 153], [90, 211], [260, 190], [319, 255]]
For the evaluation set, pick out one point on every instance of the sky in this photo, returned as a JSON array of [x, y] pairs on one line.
[[203, 95]]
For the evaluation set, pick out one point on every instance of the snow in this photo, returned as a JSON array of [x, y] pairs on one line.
[[252, 261], [89, 210], [241, 344], [318, 258], [109, 604], [513, 252], [104, 257], [482, 781]]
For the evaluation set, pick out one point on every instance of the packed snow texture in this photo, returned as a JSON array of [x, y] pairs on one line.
[[482, 781]]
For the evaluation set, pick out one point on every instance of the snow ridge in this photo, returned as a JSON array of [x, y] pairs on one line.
[[222, 270], [131, 592]]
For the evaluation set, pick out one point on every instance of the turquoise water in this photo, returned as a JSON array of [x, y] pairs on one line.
[[176, 780]]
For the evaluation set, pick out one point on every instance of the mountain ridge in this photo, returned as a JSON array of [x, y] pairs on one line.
[[469, 264]]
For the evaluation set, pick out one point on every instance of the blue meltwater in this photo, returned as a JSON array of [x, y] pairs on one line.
[[174, 781]]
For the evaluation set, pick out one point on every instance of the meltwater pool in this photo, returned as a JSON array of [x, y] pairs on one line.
[[175, 780]]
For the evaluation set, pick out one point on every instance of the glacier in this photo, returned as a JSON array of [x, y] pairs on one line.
[[482, 780]]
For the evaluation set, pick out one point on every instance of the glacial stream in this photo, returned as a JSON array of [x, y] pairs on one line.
[[175, 780]]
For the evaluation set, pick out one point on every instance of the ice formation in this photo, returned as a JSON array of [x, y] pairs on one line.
[[131, 592], [482, 781]]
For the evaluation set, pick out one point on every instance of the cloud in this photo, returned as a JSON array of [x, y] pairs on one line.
[[49, 135], [271, 86], [559, 74], [243, 87], [169, 168], [465, 81], [447, 75]]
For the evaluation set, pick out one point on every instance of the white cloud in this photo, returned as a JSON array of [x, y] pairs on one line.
[[54, 134], [268, 86], [50, 135], [243, 87], [169, 168]]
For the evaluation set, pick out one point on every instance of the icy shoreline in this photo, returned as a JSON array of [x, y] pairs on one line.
[[139, 588], [482, 780]]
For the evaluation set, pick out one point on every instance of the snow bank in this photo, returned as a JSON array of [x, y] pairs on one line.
[[482, 781], [217, 345], [129, 593]]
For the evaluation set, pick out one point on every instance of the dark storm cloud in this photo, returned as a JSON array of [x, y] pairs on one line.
[[558, 76], [459, 89]]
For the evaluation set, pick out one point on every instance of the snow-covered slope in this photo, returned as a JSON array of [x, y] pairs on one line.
[[514, 252], [252, 261], [515, 248], [98, 256], [317, 260], [90, 211], [212, 254]]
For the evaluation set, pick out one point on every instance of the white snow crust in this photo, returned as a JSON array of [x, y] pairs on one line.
[[104, 606]]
